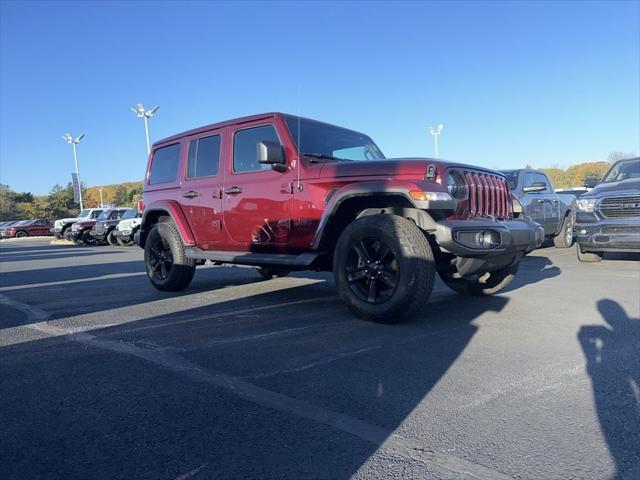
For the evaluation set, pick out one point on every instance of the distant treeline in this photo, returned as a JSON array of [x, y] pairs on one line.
[[59, 202]]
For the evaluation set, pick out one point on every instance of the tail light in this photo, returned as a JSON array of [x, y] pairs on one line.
[[141, 204]]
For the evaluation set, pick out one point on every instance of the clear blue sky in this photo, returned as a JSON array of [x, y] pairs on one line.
[[545, 83]]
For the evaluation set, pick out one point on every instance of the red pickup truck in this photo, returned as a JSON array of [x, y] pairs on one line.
[[284, 193]]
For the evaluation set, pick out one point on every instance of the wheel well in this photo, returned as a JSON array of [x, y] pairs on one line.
[[355, 207], [150, 219]]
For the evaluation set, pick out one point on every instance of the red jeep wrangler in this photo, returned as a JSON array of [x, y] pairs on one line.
[[286, 193]]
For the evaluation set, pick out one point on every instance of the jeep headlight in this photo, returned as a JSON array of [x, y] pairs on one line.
[[586, 204], [456, 185]]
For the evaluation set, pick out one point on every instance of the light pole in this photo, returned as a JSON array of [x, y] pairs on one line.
[[100, 190], [67, 137], [436, 132], [146, 114]]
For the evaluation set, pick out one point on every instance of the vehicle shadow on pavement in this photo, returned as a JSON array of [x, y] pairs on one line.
[[612, 354], [78, 409], [533, 269]]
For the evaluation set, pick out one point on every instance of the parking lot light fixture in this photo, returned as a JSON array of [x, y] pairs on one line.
[[146, 115], [436, 132], [67, 137]]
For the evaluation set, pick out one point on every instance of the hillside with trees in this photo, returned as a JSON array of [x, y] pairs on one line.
[[59, 202]]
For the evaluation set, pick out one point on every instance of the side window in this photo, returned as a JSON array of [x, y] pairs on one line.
[[164, 165], [538, 177], [96, 213], [245, 148], [204, 157], [528, 179]]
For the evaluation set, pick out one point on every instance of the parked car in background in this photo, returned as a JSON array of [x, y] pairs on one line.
[[102, 231], [283, 193], [575, 191], [27, 228], [608, 217], [542, 204], [127, 227], [80, 232], [61, 226]]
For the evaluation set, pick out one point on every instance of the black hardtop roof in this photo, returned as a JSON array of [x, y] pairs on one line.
[[238, 121]]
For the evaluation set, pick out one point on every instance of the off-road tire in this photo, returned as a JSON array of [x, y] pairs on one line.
[[564, 239], [87, 239], [111, 240], [21, 234], [496, 281], [588, 256], [178, 269], [269, 272], [124, 243], [412, 266]]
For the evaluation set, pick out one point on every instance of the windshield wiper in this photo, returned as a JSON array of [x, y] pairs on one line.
[[323, 156]]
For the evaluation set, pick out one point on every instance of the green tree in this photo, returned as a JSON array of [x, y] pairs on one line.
[[121, 198]]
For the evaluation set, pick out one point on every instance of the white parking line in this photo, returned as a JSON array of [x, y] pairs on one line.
[[69, 282], [448, 465]]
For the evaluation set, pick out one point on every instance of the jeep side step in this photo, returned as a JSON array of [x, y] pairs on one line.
[[301, 261]]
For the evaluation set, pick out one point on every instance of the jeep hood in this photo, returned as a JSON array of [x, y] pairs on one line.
[[623, 187], [389, 167]]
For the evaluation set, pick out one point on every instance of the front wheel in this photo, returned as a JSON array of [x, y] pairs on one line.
[[487, 284], [21, 234], [564, 239], [124, 243], [167, 265], [588, 256], [383, 267], [111, 240], [87, 238]]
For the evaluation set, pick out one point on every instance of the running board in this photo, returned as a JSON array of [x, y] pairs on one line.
[[304, 260]]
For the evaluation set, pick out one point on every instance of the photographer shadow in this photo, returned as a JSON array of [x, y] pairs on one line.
[[613, 362]]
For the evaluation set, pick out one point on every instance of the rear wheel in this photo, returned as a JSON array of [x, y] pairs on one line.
[[487, 284], [588, 256], [269, 272], [384, 268], [167, 266], [21, 234], [564, 239]]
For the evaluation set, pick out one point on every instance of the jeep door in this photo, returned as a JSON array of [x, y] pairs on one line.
[[200, 191], [258, 200]]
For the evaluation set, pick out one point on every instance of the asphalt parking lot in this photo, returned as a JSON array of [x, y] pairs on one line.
[[103, 377]]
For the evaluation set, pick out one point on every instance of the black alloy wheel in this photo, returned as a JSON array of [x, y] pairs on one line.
[[372, 270], [160, 258]]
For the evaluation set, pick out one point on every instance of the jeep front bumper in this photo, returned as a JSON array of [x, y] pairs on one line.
[[483, 245]]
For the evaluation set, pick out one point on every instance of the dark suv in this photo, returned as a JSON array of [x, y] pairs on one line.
[[608, 217], [286, 193]]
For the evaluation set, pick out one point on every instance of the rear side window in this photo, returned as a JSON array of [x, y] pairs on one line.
[[204, 157], [164, 166], [245, 148]]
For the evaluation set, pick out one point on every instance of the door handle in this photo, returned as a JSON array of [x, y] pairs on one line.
[[190, 194], [233, 190], [540, 201]]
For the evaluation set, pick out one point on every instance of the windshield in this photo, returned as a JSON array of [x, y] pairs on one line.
[[328, 142], [130, 213], [623, 170], [512, 178], [104, 215], [84, 213]]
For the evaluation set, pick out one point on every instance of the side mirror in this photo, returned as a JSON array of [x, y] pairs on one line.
[[535, 187], [272, 153], [590, 182]]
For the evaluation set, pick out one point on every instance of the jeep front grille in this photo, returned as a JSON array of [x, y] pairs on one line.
[[488, 195], [620, 207]]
